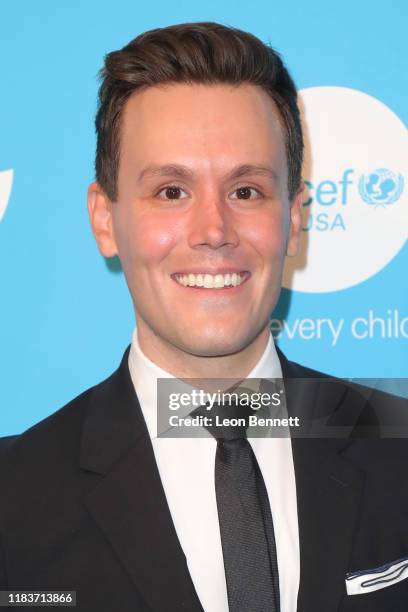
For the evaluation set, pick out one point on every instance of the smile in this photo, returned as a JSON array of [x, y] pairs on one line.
[[212, 281]]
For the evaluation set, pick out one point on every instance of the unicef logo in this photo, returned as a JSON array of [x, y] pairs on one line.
[[355, 207], [6, 181], [381, 187]]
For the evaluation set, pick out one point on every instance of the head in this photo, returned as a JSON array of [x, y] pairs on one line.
[[198, 172]]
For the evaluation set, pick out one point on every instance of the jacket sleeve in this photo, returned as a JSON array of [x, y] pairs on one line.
[[3, 577]]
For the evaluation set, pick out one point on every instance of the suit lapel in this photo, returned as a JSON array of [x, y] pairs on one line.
[[329, 491], [129, 504]]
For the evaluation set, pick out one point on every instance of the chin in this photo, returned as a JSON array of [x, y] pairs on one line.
[[215, 344]]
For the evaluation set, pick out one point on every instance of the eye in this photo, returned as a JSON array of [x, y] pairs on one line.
[[245, 193], [171, 192]]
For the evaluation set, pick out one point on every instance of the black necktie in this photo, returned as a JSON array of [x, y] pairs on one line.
[[247, 535]]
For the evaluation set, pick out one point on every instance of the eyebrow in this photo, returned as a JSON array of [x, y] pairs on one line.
[[183, 172]]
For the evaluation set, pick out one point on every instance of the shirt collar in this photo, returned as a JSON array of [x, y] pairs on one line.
[[144, 374]]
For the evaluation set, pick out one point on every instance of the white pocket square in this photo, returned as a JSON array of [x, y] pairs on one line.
[[377, 578]]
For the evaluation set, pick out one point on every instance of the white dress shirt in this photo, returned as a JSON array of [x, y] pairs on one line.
[[186, 468]]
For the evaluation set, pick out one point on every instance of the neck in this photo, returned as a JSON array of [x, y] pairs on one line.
[[181, 364]]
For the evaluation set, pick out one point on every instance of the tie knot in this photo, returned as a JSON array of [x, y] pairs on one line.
[[227, 421]]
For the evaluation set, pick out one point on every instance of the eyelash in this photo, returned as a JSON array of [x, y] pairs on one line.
[[175, 186]]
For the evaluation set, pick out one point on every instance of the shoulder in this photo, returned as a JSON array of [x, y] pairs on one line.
[[43, 478], [38, 478], [47, 456], [364, 410], [51, 433], [37, 467], [48, 451], [292, 369], [59, 434]]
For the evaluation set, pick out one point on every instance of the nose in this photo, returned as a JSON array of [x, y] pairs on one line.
[[212, 224]]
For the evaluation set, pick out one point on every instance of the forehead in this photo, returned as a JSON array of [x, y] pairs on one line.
[[206, 124]]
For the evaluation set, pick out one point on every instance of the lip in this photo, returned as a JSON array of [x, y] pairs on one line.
[[212, 271]]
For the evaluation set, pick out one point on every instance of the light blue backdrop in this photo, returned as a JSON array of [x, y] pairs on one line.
[[65, 317]]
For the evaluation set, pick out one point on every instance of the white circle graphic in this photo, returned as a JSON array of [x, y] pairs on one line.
[[6, 181], [355, 211]]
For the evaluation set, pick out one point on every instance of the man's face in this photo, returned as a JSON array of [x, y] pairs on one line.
[[202, 201]]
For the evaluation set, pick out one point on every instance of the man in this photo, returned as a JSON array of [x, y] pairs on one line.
[[199, 193]]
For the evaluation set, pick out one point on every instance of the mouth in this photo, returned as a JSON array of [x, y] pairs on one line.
[[205, 281]]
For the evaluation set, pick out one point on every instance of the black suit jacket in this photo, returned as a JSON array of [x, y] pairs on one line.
[[82, 506]]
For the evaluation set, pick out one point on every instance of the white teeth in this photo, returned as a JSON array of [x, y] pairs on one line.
[[210, 281], [218, 280]]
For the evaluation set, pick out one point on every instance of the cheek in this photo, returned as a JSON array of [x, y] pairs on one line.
[[268, 236], [145, 241]]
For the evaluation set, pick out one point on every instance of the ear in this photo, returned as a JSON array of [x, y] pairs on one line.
[[100, 215], [295, 223]]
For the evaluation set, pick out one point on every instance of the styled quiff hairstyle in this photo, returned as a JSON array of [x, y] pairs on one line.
[[205, 53]]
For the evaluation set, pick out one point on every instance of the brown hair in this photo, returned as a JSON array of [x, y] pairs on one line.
[[205, 53]]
